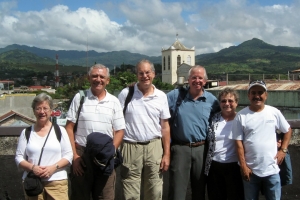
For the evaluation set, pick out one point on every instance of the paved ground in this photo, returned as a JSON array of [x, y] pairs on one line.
[[11, 188]]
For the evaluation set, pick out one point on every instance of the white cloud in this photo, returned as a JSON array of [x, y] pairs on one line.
[[146, 26]]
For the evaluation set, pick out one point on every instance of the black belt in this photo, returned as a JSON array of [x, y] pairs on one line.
[[77, 146], [142, 143], [191, 144]]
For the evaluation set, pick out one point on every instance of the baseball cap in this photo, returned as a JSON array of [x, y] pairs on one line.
[[257, 83]]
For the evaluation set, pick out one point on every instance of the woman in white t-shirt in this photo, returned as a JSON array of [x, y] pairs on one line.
[[57, 155], [224, 178]]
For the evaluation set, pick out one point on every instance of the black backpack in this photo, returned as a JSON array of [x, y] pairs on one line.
[[56, 129]]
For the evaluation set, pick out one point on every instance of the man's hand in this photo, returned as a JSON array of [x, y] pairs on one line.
[[165, 163], [280, 156], [77, 165], [246, 173], [279, 143]]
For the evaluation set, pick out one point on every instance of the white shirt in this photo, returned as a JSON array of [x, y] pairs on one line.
[[96, 116], [257, 131], [53, 151], [225, 148], [143, 114]]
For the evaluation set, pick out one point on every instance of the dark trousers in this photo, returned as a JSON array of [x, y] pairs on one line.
[[225, 182], [92, 182], [187, 165]]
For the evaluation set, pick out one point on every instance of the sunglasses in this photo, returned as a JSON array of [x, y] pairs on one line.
[[225, 101], [258, 93], [257, 81]]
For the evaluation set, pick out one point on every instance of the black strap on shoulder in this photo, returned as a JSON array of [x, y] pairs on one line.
[[56, 130], [78, 112], [27, 133], [128, 98], [181, 95]]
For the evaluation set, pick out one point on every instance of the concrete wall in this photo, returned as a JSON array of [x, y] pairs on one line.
[[20, 103]]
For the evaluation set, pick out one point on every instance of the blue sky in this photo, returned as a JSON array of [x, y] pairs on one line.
[[146, 26]]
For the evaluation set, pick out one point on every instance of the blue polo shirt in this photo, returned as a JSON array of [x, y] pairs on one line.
[[193, 118]]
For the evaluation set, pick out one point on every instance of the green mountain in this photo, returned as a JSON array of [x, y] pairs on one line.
[[252, 56], [22, 56], [80, 58]]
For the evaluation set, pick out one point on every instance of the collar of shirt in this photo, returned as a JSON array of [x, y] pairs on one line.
[[136, 89], [202, 97], [91, 96]]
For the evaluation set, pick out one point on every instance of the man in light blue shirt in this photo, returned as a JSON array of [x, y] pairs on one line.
[[189, 130]]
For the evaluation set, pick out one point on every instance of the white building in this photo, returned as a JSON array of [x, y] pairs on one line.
[[172, 58]]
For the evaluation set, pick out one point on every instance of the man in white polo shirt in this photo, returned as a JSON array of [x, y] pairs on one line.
[[146, 146], [101, 112], [254, 131]]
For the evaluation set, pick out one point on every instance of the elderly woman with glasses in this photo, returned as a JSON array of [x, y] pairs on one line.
[[224, 178], [56, 156]]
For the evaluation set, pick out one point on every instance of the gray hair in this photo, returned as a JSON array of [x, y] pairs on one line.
[[41, 98], [198, 67], [144, 61], [227, 91], [99, 66]]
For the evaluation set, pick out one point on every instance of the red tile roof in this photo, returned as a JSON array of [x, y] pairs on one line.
[[12, 113]]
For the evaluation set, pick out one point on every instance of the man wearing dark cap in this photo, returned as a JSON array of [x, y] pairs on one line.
[[254, 131]]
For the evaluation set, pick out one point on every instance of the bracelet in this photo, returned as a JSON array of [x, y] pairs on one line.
[[32, 167]]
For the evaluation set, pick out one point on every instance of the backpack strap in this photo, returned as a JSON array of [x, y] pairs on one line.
[[56, 129], [27, 133], [57, 132], [83, 94], [181, 95], [128, 98]]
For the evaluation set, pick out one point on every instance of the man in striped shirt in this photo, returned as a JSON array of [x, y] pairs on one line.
[[101, 112]]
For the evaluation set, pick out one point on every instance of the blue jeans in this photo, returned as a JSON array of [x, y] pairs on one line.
[[270, 185]]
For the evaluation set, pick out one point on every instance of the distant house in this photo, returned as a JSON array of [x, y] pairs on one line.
[[182, 71], [36, 87], [44, 88], [295, 75], [13, 118]]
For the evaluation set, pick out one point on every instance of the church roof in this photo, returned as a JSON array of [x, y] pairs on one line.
[[179, 46]]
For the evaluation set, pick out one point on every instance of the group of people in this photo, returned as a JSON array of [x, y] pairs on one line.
[[205, 143]]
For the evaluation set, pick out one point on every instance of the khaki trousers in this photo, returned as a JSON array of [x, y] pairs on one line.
[[53, 190], [141, 163]]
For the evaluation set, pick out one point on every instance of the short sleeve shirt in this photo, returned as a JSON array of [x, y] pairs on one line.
[[96, 116]]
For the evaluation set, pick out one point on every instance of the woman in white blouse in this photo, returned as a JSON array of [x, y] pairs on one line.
[[224, 178], [57, 155]]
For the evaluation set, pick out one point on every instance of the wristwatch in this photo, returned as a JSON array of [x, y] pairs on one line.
[[284, 150], [57, 166]]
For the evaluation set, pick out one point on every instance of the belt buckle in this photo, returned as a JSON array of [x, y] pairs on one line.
[[191, 143], [147, 142]]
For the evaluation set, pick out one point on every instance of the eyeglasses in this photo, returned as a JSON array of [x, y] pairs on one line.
[[146, 73], [225, 101], [41, 109], [257, 81], [258, 93]]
